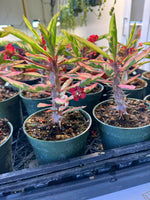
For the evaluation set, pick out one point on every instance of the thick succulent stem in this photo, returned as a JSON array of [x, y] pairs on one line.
[[54, 79], [118, 93]]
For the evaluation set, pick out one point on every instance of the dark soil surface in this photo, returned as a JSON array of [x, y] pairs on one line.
[[6, 93], [138, 83], [34, 95], [40, 127], [4, 130], [138, 114], [147, 75]]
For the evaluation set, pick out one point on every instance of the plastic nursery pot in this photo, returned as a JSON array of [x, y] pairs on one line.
[[11, 109], [89, 101], [113, 137], [50, 151], [137, 93], [6, 153], [30, 105], [147, 79]]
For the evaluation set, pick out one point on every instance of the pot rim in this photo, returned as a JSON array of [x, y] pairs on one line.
[[11, 132], [20, 94], [122, 128], [59, 141]]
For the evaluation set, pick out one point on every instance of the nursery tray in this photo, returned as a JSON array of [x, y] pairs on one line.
[[30, 180]]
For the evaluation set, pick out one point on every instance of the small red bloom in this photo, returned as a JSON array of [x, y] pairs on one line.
[[77, 93], [93, 38], [140, 44], [43, 40], [9, 51]]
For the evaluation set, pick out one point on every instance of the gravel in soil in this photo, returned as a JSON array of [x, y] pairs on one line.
[[7, 92], [138, 114], [4, 130], [41, 127], [34, 95]]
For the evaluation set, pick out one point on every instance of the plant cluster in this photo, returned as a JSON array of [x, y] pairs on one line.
[[44, 54]]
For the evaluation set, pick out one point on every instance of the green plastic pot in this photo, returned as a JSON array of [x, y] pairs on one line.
[[138, 93], [11, 109], [113, 137], [6, 153], [148, 82], [50, 151], [30, 105], [89, 101]]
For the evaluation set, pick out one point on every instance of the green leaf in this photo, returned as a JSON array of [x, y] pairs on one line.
[[3, 34], [113, 36], [91, 45], [72, 60], [21, 35], [31, 28], [48, 38], [109, 70], [131, 34], [52, 28]]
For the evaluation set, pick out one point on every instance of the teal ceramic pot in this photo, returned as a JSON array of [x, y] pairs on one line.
[[11, 109], [50, 151], [148, 82], [138, 93], [30, 105], [113, 137], [6, 153], [89, 101]]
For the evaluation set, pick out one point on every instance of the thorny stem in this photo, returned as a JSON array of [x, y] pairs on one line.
[[118, 93], [54, 79]]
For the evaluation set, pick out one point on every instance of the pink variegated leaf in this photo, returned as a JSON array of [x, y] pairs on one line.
[[61, 100], [35, 74], [83, 76], [129, 87], [61, 108], [41, 87], [66, 84], [14, 73], [42, 57], [87, 67], [89, 88], [131, 79], [73, 109], [40, 105], [136, 58], [74, 69], [74, 85], [18, 84]]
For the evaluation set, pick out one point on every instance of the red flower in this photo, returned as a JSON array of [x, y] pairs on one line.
[[77, 93], [93, 38], [9, 51], [43, 40]]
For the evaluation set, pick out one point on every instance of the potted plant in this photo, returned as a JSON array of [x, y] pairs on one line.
[[61, 135], [119, 108]]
